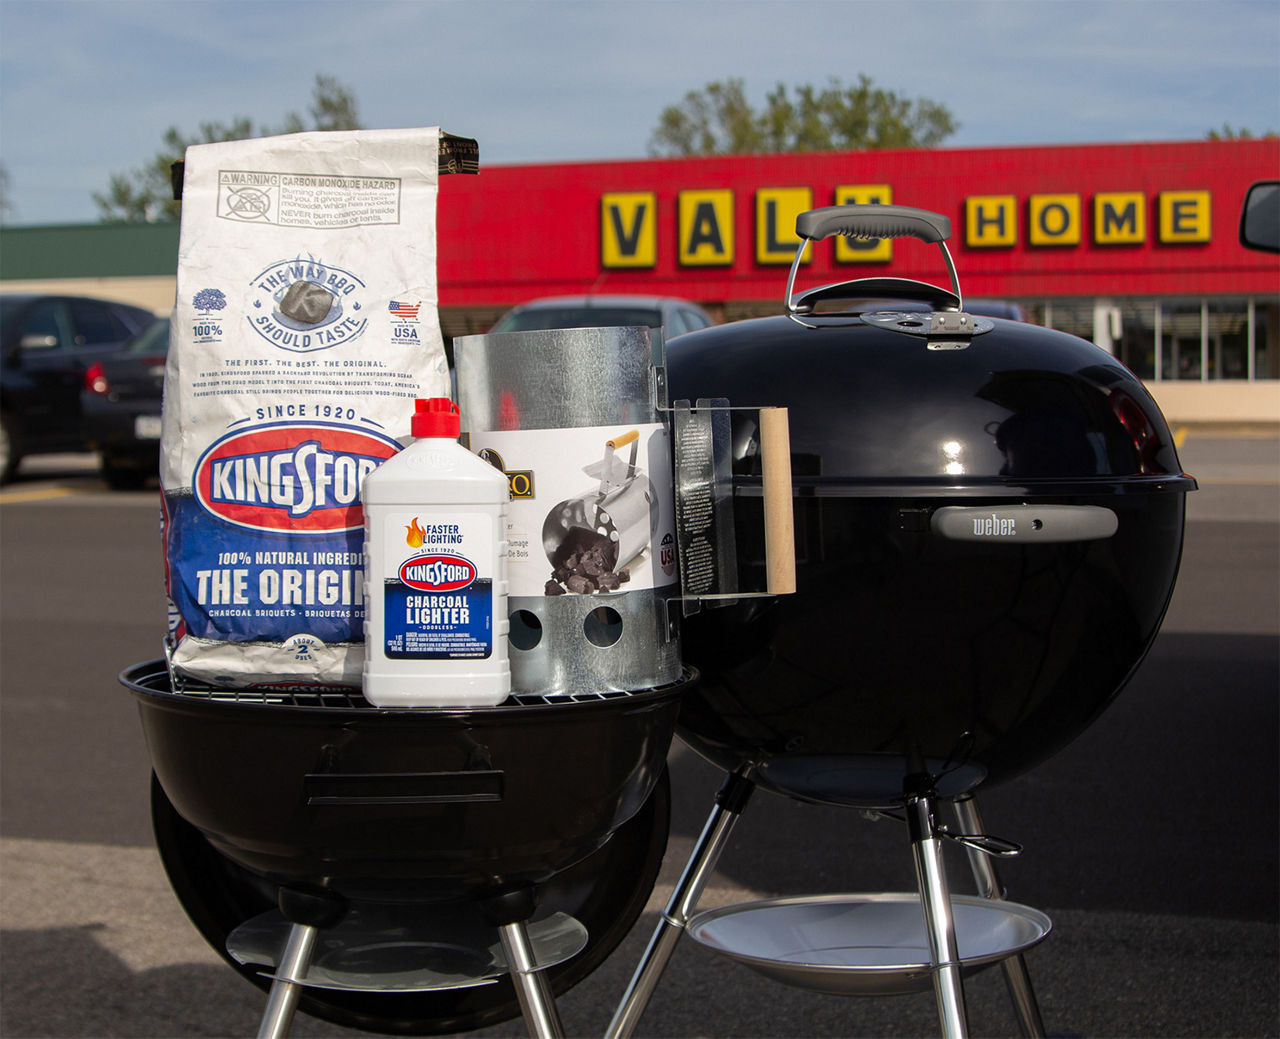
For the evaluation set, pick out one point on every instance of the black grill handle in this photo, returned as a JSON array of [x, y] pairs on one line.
[[403, 788], [869, 221], [873, 221]]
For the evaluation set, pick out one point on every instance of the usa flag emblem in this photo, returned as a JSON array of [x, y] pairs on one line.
[[405, 311]]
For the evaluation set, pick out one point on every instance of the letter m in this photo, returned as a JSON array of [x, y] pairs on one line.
[[1119, 218]]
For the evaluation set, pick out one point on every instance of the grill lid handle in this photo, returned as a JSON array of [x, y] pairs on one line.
[[873, 221], [869, 221]]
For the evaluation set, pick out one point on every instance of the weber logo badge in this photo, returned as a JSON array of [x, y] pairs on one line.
[[994, 526]]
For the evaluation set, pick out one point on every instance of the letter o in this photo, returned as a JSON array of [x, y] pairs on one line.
[[1063, 218]]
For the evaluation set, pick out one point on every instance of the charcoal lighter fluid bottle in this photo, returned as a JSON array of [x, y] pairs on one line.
[[435, 572]]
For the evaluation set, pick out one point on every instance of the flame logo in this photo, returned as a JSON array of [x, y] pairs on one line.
[[416, 535]]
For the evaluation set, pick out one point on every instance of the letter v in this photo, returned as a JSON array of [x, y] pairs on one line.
[[628, 241]]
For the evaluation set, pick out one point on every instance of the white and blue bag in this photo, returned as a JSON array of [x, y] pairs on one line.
[[304, 328]]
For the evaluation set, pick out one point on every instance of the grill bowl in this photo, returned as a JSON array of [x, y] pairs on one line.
[[403, 804], [606, 892]]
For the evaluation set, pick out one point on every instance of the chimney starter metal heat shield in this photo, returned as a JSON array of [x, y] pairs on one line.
[[573, 417]]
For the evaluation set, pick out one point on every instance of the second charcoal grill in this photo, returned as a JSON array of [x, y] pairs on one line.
[[988, 524]]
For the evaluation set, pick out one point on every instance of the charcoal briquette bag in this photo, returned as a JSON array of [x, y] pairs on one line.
[[304, 328]]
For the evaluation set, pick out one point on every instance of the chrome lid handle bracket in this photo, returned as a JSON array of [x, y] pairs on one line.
[[792, 310]]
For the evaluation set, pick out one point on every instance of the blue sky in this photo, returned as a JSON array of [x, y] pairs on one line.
[[88, 87]]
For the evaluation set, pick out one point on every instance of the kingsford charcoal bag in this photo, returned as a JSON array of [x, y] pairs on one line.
[[304, 328]]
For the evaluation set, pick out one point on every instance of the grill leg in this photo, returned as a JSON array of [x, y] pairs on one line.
[[1016, 977], [308, 910], [730, 801], [537, 1002], [935, 900], [282, 1000]]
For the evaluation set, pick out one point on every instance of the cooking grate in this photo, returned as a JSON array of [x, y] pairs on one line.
[[284, 695], [535, 699], [343, 698]]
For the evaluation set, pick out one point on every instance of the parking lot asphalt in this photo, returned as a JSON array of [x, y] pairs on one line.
[[1153, 841]]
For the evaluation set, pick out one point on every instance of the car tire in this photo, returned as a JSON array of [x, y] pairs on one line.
[[10, 447]]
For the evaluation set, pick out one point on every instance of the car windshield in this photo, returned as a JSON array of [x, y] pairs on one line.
[[537, 318], [154, 339]]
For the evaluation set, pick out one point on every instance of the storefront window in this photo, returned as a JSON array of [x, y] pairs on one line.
[[1197, 338], [1127, 325], [1227, 338], [1137, 345], [1066, 315], [1180, 347], [1266, 340]]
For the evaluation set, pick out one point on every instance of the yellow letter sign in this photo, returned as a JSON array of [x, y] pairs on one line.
[[1184, 216], [629, 229], [990, 220], [776, 212], [1053, 220], [1119, 218], [706, 228]]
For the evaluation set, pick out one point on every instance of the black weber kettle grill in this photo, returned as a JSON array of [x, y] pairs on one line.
[[428, 870], [431, 870], [988, 522]]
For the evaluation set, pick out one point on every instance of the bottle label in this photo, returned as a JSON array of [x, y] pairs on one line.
[[437, 585]]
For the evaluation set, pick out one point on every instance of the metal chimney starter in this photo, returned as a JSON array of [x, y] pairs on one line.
[[572, 417]]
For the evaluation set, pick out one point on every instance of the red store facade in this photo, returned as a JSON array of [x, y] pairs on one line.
[[1134, 246]]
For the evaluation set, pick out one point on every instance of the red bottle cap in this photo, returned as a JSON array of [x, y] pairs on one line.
[[437, 417]]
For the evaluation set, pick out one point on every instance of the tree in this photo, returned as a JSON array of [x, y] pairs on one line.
[[146, 195], [1232, 133], [718, 120]]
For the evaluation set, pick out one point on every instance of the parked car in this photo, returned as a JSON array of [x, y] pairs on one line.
[[46, 344], [671, 314], [995, 308], [122, 398]]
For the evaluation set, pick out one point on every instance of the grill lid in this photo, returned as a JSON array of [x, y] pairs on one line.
[[911, 395], [1018, 406]]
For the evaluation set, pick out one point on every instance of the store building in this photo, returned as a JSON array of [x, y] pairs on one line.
[[1134, 246]]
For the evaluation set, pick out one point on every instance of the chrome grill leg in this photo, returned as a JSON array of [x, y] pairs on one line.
[[935, 901], [730, 802], [282, 1000], [1016, 977]]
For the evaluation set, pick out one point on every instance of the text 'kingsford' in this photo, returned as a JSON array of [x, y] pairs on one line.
[[436, 572]]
